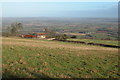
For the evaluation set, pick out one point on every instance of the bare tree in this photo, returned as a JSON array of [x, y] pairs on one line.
[[50, 33], [14, 29]]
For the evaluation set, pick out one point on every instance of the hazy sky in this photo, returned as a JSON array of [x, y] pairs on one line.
[[60, 9]]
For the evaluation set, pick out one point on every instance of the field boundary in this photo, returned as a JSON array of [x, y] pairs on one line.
[[97, 44]]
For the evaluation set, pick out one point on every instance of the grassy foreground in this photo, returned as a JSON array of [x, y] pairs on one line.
[[29, 58]]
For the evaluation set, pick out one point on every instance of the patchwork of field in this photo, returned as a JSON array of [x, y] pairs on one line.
[[30, 58]]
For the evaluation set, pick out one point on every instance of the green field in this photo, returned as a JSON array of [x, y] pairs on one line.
[[108, 42], [29, 58]]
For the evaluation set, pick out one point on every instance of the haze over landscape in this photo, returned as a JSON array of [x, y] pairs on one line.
[[60, 9]]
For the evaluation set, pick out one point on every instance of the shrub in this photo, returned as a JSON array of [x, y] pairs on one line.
[[73, 36], [61, 37]]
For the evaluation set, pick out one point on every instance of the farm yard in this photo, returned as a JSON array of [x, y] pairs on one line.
[[30, 58]]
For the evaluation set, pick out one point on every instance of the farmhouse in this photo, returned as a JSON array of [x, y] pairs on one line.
[[35, 35], [41, 35]]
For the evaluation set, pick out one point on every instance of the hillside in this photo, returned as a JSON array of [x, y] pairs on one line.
[[30, 58]]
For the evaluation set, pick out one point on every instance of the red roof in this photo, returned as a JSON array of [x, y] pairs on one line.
[[28, 36]]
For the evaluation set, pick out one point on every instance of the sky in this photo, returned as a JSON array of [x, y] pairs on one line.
[[60, 9], [59, 0]]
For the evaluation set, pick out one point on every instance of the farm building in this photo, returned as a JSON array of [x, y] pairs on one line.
[[41, 35], [35, 35]]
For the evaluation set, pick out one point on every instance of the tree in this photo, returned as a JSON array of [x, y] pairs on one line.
[[14, 29], [8, 31], [50, 32], [61, 37], [64, 36]]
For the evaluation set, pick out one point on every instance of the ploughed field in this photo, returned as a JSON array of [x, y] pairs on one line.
[[30, 58]]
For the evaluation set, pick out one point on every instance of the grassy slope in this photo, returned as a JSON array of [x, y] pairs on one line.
[[38, 58], [109, 42]]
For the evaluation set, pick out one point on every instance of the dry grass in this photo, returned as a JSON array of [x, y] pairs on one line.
[[30, 58], [52, 44]]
